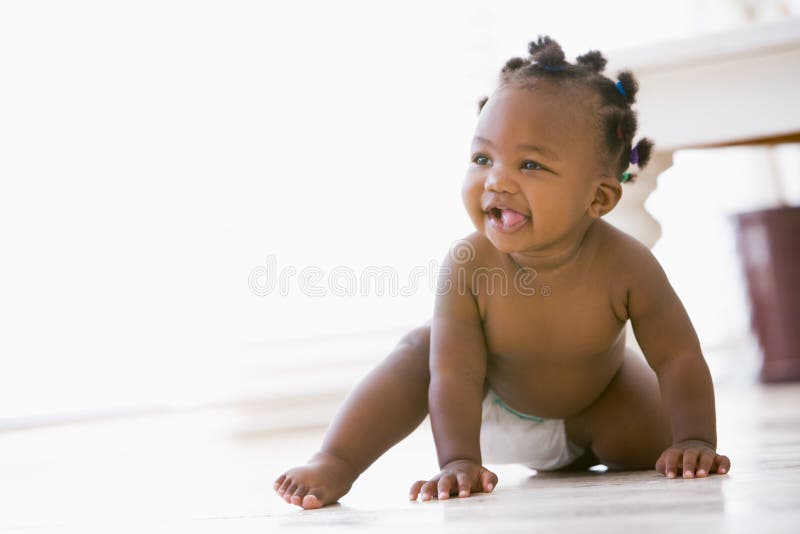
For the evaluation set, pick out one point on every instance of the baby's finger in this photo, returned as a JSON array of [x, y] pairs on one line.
[[429, 490], [446, 485], [689, 462], [704, 464], [463, 484], [414, 491], [488, 480], [661, 463], [674, 457], [721, 464]]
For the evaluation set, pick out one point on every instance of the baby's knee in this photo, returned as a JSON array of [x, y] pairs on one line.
[[410, 357], [419, 338]]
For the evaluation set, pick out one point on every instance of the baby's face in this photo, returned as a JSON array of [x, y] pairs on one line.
[[549, 184]]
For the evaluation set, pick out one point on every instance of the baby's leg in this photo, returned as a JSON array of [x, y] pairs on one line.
[[627, 427], [390, 402]]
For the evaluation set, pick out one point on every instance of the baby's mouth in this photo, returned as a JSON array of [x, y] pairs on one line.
[[507, 220]]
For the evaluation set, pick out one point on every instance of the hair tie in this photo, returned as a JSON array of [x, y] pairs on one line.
[[635, 155], [621, 89], [625, 177], [555, 68]]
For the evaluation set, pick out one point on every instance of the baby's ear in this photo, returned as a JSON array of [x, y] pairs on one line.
[[607, 192]]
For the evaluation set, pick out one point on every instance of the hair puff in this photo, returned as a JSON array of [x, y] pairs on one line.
[[593, 60], [513, 64], [644, 148], [629, 84], [546, 52]]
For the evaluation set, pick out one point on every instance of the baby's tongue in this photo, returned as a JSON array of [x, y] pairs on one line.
[[511, 217]]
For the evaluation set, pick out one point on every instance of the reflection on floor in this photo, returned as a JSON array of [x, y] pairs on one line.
[[208, 472]]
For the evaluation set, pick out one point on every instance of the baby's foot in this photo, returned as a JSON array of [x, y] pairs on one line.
[[323, 480]]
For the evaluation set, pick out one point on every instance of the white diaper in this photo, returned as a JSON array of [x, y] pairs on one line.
[[512, 437]]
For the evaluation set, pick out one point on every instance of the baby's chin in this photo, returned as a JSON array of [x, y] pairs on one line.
[[505, 247]]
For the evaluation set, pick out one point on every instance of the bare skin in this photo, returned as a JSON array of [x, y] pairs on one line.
[[558, 352]]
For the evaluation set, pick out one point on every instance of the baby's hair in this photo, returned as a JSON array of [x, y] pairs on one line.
[[615, 117]]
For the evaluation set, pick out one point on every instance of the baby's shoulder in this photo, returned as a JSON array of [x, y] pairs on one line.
[[473, 251], [623, 254], [617, 244]]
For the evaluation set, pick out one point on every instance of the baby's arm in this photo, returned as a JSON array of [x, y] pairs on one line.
[[670, 345], [458, 371]]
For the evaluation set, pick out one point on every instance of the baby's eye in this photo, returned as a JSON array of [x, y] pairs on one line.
[[534, 166], [477, 158]]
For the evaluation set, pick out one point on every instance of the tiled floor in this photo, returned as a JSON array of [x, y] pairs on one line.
[[208, 472]]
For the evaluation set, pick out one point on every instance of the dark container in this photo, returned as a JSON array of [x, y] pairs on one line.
[[769, 244]]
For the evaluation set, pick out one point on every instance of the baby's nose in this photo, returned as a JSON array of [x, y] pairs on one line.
[[499, 181]]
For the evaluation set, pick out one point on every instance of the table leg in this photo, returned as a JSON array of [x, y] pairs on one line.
[[630, 215]]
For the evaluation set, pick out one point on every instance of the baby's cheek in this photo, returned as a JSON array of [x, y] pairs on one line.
[[470, 193], [471, 200]]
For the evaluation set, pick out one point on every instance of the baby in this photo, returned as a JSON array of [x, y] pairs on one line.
[[531, 309]]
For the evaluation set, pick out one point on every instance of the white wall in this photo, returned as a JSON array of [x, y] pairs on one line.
[[152, 154]]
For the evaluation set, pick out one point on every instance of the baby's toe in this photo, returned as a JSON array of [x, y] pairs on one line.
[[284, 486], [287, 496], [299, 493], [315, 498], [279, 481]]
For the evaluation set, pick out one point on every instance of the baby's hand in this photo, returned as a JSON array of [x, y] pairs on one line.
[[691, 454], [458, 477]]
